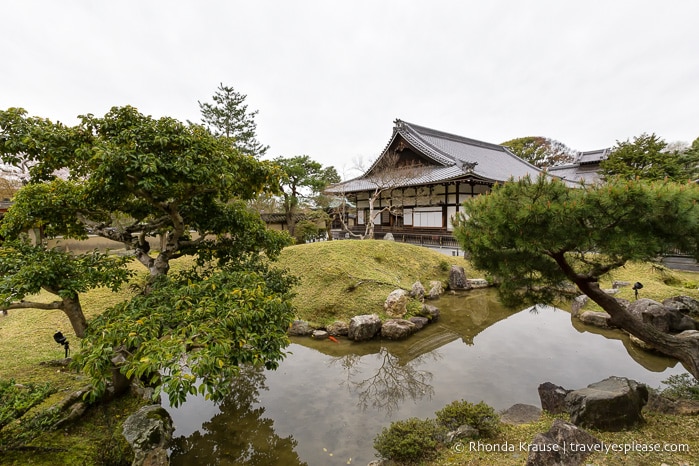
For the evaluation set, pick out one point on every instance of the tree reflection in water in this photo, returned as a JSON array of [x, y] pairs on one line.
[[238, 434], [391, 384]]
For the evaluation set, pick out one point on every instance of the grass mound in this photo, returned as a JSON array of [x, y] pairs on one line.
[[341, 279], [659, 282]]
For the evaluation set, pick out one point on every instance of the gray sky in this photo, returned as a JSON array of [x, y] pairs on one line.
[[329, 77]]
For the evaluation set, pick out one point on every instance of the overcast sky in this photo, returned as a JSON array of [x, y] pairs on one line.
[[328, 78]]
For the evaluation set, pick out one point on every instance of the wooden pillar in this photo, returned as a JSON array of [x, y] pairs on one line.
[[458, 188]]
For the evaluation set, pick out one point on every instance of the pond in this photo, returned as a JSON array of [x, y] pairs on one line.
[[327, 401]]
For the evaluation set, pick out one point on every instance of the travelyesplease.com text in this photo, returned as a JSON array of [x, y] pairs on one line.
[[477, 446]]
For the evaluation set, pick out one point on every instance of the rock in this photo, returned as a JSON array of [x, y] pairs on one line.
[[429, 311], [300, 328], [396, 302], [382, 462], [72, 407], [553, 398], [149, 432], [619, 284], [338, 328], [420, 322], [457, 278], [658, 403], [319, 334], [689, 334], [578, 304], [417, 291], [436, 290], [397, 329], [663, 318], [548, 448], [388, 237], [120, 384], [640, 343], [478, 283], [463, 432], [612, 404], [598, 319], [520, 414], [684, 304], [364, 327]]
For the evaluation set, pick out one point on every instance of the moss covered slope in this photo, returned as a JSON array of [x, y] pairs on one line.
[[341, 279]]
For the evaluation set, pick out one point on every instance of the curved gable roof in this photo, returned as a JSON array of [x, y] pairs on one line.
[[454, 157]]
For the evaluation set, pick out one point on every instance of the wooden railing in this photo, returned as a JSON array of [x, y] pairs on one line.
[[439, 240]]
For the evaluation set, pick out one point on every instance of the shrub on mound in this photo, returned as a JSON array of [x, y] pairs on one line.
[[411, 440], [479, 416]]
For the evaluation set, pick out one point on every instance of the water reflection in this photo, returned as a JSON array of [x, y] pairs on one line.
[[327, 401], [238, 433], [651, 360], [391, 384]]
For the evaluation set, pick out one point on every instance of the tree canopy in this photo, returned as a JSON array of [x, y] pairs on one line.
[[647, 157], [690, 160], [303, 178], [193, 332], [228, 117], [535, 236], [131, 177], [540, 151]]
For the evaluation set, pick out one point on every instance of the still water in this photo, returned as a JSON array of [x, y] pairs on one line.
[[327, 401]]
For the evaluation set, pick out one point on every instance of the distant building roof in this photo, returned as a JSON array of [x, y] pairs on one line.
[[585, 167], [274, 217], [449, 157]]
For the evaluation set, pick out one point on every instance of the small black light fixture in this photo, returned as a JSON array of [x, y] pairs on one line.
[[637, 286], [61, 340]]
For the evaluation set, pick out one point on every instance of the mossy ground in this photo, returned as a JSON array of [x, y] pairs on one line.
[[660, 429], [341, 279], [26, 340], [658, 281]]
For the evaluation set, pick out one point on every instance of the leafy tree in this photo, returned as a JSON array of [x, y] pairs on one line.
[[541, 152], [194, 331], [228, 117], [537, 235], [646, 157], [25, 270], [303, 178], [131, 177], [690, 160]]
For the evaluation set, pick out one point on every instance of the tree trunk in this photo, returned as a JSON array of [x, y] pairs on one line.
[[685, 349], [71, 307], [74, 311], [160, 266], [370, 221]]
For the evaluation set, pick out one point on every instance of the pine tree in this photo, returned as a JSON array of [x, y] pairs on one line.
[[228, 117]]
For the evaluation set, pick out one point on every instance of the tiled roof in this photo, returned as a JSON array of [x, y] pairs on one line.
[[592, 156], [454, 157], [585, 168], [275, 217]]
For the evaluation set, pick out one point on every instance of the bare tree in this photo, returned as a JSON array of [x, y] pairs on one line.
[[387, 173], [391, 383]]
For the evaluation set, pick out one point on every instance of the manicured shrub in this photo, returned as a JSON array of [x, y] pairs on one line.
[[681, 386], [479, 416], [407, 441]]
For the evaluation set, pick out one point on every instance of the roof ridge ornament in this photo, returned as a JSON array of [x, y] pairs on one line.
[[467, 167]]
